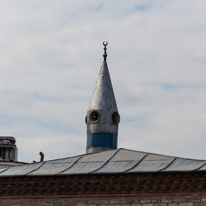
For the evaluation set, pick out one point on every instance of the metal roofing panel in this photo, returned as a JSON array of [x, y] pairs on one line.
[[185, 165], [84, 167], [157, 157], [203, 167], [98, 157], [64, 160], [51, 169], [150, 166], [117, 167], [21, 169], [127, 155], [3, 169], [152, 163], [113, 161]]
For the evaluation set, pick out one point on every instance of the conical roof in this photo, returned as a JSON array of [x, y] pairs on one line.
[[103, 96]]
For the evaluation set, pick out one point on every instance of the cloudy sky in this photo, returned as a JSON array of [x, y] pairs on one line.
[[50, 57]]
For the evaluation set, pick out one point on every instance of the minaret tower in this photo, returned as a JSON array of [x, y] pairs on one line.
[[102, 116]]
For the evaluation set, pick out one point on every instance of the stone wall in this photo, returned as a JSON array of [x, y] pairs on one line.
[[187, 200]]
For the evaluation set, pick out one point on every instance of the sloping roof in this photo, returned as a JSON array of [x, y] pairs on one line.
[[109, 162]]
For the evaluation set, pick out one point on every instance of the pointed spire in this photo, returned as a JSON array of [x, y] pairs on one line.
[[102, 116], [103, 96]]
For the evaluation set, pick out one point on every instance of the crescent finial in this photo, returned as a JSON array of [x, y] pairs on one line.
[[105, 43]]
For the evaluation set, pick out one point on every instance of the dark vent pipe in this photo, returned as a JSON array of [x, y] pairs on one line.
[[42, 156]]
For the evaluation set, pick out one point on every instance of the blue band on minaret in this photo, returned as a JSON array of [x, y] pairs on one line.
[[102, 140]]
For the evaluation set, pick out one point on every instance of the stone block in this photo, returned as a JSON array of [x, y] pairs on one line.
[[196, 199], [59, 202], [147, 204], [155, 200], [123, 205], [48, 203], [102, 202], [28, 203], [200, 204], [87, 202], [115, 201], [186, 204], [80, 204], [132, 201], [4, 203], [123, 201], [38, 203], [160, 204], [72, 202], [136, 204], [15, 204], [173, 204], [166, 200], [178, 199], [144, 200]]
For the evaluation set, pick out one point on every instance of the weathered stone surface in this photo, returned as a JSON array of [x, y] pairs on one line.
[[103, 202], [28, 203], [132, 201], [136, 204], [15, 204], [179, 199], [144, 200], [59, 202], [4, 203], [193, 199], [147, 204], [123, 201], [155, 200], [160, 204], [71, 202], [186, 204], [166, 200], [200, 204], [48, 203], [114, 201], [123, 205], [173, 204]]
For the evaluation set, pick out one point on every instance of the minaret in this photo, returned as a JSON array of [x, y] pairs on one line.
[[102, 116]]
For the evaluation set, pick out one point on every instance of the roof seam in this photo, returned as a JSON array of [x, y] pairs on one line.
[[71, 165], [200, 167], [168, 165], [106, 161], [34, 169], [136, 164], [4, 170]]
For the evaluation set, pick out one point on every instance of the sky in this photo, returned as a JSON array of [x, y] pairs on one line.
[[50, 56]]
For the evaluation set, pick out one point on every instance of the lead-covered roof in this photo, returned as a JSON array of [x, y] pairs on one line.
[[109, 162]]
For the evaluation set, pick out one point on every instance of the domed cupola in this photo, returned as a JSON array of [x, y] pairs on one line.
[[102, 116]]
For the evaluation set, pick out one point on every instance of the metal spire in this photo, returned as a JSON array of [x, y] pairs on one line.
[[105, 43], [102, 115]]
